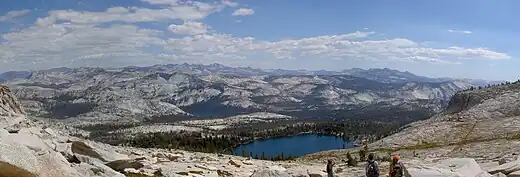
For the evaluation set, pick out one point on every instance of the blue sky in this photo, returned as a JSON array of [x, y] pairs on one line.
[[453, 38]]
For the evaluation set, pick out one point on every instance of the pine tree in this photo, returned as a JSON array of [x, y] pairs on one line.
[[263, 156], [362, 154], [244, 152]]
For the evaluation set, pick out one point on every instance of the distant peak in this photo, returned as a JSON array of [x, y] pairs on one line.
[[216, 64]]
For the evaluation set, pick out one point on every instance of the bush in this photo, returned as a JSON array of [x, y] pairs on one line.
[[351, 161]]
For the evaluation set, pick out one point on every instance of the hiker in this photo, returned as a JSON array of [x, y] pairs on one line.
[[372, 169], [330, 172], [397, 168]]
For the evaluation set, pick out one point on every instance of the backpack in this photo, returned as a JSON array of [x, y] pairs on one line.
[[398, 170], [329, 168], [372, 170]]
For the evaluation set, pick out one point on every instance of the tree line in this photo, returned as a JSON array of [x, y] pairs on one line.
[[490, 86], [279, 157], [192, 141], [225, 140]]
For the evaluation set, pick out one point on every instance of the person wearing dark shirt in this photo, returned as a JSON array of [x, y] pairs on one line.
[[371, 169], [330, 171]]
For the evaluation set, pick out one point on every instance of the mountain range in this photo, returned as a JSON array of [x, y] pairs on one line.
[[178, 91]]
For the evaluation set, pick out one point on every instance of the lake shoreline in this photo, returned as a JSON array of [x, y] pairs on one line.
[[295, 145], [282, 136]]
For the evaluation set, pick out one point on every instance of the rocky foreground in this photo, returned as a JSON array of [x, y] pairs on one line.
[[30, 148]]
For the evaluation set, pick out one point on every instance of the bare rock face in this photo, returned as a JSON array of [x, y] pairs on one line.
[[124, 94], [11, 112], [474, 121], [9, 105], [463, 101], [30, 150]]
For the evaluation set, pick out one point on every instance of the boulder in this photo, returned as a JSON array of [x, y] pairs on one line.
[[173, 157], [55, 165], [448, 168], [214, 174], [131, 170], [19, 155], [506, 168], [431, 172], [121, 165], [149, 172], [11, 123], [3, 133], [108, 153], [50, 144], [205, 167], [26, 137], [161, 160], [488, 165], [270, 172], [78, 147], [223, 173], [88, 170], [506, 159], [14, 128], [514, 174], [66, 150], [59, 138], [317, 174], [499, 175], [105, 170], [232, 162], [466, 167], [247, 162]]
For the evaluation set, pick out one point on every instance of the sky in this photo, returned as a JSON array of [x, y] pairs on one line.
[[443, 38]]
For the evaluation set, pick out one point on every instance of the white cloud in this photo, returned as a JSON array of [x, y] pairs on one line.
[[123, 14], [161, 2], [189, 28], [459, 31], [14, 14], [334, 46], [70, 44], [229, 3], [183, 10], [76, 38], [243, 12]]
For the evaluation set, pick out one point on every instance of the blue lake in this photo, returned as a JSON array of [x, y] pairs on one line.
[[294, 145]]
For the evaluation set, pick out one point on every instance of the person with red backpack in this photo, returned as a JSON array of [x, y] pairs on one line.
[[371, 169], [397, 168]]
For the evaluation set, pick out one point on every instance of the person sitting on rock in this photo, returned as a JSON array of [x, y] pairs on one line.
[[371, 169], [330, 164], [397, 169]]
